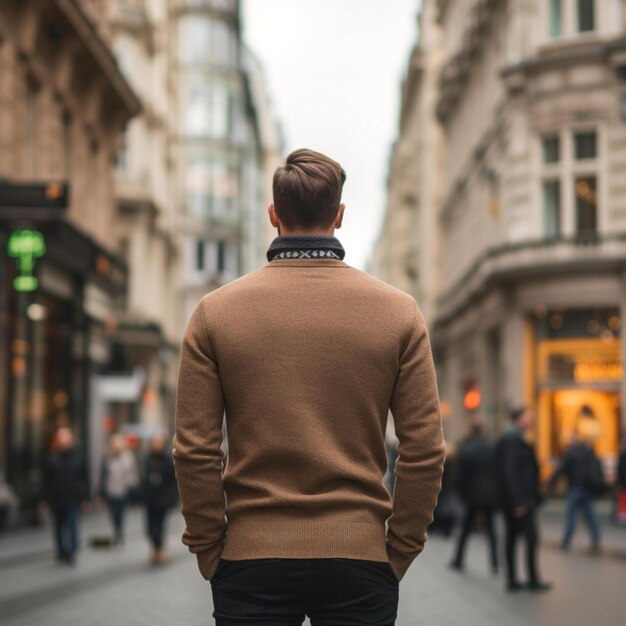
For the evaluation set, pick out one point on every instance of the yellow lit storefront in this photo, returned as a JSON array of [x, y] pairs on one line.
[[578, 382]]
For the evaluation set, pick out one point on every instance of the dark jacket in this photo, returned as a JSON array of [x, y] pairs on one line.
[[66, 480], [476, 473], [574, 465], [160, 490], [518, 471]]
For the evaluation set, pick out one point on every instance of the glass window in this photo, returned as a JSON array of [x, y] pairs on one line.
[[203, 40], [197, 109], [586, 15], [194, 37], [551, 208], [211, 186], [555, 18], [551, 147], [200, 258], [221, 256], [220, 112], [585, 145], [586, 208]]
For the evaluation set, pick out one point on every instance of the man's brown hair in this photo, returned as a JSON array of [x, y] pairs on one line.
[[307, 190]]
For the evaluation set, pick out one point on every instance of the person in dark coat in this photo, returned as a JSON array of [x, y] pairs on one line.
[[575, 465], [518, 473], [477, 485], [160, 494], [65, 488]]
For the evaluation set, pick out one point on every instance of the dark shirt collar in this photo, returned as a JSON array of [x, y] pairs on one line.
[[305, 247]]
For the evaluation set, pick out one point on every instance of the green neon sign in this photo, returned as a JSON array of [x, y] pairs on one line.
[[26, 246]]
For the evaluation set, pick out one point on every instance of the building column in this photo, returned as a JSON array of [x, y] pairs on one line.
[[512, 359]]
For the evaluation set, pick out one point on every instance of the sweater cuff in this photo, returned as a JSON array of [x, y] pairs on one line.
[[208, 560], [399, 563]]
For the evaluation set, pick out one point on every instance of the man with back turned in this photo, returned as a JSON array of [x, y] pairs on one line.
[[305, 356]]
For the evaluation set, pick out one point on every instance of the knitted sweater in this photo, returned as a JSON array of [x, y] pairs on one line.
[[304, 358]]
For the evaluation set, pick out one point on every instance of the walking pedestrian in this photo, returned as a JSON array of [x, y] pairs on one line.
[[306, 355], [65, 492], [477, 485], [118, 476], [159, 494], [579, 465], [518, 472]]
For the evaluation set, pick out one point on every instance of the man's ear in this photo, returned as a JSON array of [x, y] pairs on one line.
[[339, 219], [272, 214]]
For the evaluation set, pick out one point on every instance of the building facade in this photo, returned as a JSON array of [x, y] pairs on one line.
[[63, 105], [216, 148], [531, 291]]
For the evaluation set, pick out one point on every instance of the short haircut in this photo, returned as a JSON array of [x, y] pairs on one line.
[[516, 413], [307, 190]]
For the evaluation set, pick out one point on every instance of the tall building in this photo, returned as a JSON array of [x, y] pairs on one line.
[[405, 251], [63, 105], [216, 148], [531, 292]]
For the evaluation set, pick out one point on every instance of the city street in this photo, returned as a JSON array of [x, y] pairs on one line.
[[118, 586]]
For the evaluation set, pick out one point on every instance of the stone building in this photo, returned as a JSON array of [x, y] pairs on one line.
[[63, 105], [531, 290], [216, 148]]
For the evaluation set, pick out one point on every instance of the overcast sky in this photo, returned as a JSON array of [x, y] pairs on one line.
[[334, 71]]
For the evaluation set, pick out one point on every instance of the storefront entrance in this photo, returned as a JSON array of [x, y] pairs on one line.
[[578, 385]]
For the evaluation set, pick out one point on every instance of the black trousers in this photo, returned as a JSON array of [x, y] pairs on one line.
[[281, 591], [155, 525], [469, 520], [525, 526]]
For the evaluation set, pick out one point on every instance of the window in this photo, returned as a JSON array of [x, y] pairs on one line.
[[585, 145], [551, 149], [203, 41], [586, 208], [556, 26], [585, 15], [207, 107], [211, 186], [221, 256], [200, 257], [569, 183], [551, 208], [197, 110]]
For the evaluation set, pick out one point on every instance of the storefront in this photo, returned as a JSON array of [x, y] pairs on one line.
[[48, 329], [579, 371]]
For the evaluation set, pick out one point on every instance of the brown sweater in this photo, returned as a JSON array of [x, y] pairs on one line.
[[305, 357]]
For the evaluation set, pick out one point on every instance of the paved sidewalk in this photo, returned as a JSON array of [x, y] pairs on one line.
[[118, 586]]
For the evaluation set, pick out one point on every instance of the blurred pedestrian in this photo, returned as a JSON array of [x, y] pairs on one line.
[[477, 484], [65, 491], [160, 494], [579, 465], [518, 472], [118, 475], [305, 357]]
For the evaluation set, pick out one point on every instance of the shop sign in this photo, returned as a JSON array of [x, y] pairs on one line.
[[26, 246]]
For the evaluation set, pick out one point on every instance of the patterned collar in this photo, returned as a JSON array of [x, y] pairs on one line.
[[305, 247]]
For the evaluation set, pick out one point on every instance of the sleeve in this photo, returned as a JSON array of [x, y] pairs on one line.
[[197, 453], [421, 448]]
